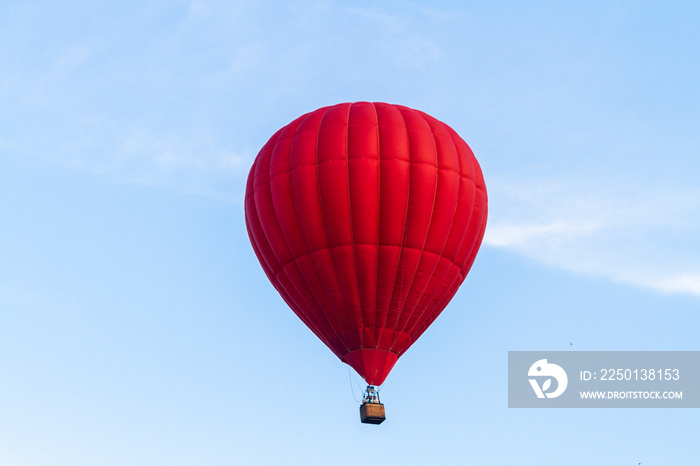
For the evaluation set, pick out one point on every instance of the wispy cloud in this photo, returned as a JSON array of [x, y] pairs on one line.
[[159, 113], [510, 235], [639, 235], [174, 153], [185, 95]]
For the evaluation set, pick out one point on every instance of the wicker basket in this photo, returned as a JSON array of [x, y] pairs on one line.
[[372, 413]]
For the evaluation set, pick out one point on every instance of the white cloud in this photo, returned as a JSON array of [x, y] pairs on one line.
[[158, 113], [640, 235], [509, 235], [171, 154], [682, 283]]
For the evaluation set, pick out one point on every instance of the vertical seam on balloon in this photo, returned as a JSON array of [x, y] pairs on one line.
[[477, 244], [286, 296], [439, 255], [405, 223], [480, 222], [264, 262], [251, 212], [254, 206], [282, 270], [309, 320], [427, 231], [442, 250], [323, 215], [403, 236], [474, 249], [306, 246], [481, 229], [460, 275], [256, 166], [379, 232], [450, 291], [352, 227]]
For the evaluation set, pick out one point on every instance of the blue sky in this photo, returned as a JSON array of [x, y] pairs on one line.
[[136, 326]]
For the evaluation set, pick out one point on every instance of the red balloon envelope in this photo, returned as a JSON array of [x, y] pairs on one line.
[[366, 218]]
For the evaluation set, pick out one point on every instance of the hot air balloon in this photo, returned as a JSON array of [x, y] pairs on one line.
[[366, 217]]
